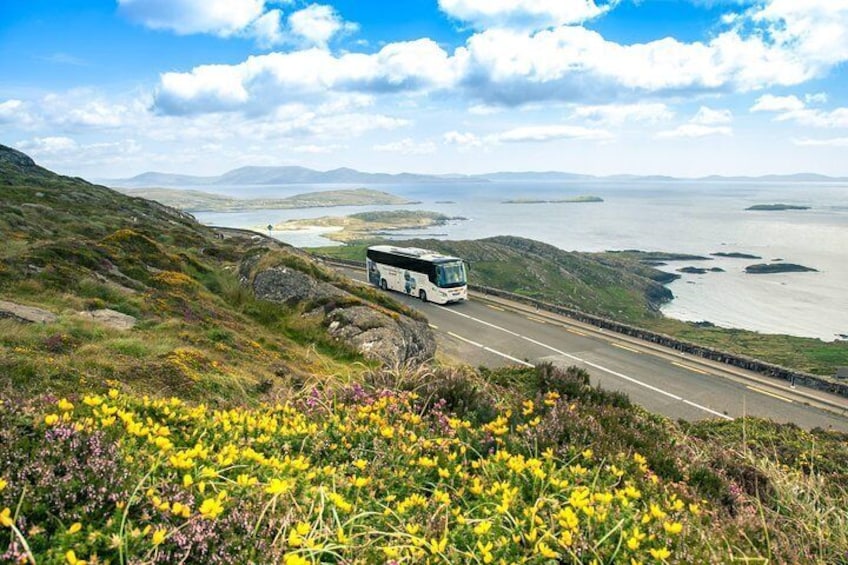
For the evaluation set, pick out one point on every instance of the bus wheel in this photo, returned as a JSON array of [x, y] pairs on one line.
[[422, 295], [383, 284]]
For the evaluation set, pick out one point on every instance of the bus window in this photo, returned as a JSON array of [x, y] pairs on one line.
[[450, 275]]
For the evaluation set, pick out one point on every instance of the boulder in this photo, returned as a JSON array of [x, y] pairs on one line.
[[377, 333], [110, 318], [26, 314], [290, 286], [393, 340]]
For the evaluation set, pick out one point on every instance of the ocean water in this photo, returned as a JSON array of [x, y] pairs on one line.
[[695, 217]]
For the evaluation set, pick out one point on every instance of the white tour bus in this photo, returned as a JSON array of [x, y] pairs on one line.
[[417, 272]]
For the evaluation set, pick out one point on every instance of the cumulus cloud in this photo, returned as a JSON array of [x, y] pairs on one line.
[[313, 25], [770, 44], [792, 108], [771, 103], [14, 111], [317, 24], [523, 14], [264, 81], [224, 18]]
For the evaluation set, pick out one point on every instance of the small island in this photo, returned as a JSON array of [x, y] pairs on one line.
[[199, 201], [775, 207], [771, 268], [572, 200], [370, 224], [736, 255], [699, 270]]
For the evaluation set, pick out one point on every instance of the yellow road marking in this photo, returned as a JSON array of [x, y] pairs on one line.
[[575, 332], [625, 347], [688, 368], [773, 395], [537, 320], [493, 307], [434, 326]]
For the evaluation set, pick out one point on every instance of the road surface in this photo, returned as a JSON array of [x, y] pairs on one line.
[[496, 332]]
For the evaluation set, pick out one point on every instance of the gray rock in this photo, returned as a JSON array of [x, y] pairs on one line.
[[110, 318], [26, 314], [395, 341], [290, 286]]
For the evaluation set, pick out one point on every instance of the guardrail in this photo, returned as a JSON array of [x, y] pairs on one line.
[[748, 363]]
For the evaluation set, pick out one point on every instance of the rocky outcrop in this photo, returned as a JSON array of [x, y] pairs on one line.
[[110, 318], [26, 314], [377, 333], [290, 286], [395, 341]]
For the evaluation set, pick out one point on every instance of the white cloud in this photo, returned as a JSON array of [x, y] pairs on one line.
[[771, 44], [47, 145], [817, 98], [407, 146], [705, 122], [791, 108], [708, 117], [14, 111], [318, 149], [264, 81], [317, 24], [549, 133], [224, 18], [832, 142], [523, 14], [617, 114], [465, 139]]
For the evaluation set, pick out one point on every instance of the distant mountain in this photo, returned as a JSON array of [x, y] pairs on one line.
[[533, 176], [277, 175], [797, 177], [303, 175]]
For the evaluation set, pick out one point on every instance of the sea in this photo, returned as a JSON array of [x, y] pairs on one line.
[[692, 217]]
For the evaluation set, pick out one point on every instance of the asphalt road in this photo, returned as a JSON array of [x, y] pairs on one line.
[[495, 332]]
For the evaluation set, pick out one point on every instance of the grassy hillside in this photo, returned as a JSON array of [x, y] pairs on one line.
[[225, 430], [621, 286]]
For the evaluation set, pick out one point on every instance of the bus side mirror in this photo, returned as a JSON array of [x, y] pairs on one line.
[[467, 266]]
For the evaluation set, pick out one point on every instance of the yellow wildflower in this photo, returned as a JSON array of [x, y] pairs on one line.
[[51, 419], [211, 508], [71, 558], [546, 552], [75, 527], [693, 508], [483, 528], [295, 559], [3, 484], [64, 405], [6, 518], [159, 536], [278, 486], [661, 553], [672, 527]]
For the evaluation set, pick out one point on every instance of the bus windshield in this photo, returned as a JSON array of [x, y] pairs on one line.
[[449, 275]]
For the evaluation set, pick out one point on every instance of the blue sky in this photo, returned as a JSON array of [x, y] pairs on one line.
[[113, 88]]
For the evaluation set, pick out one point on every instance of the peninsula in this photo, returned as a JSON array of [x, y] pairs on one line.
[[369, 224], [200, 201]]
